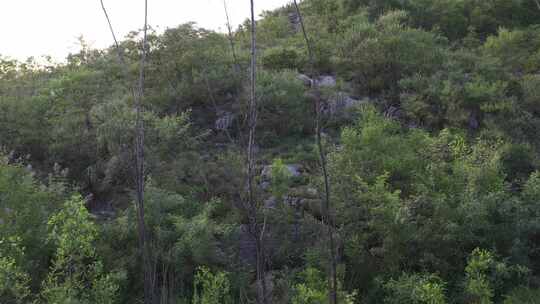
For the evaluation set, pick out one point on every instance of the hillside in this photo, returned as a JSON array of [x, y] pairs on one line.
[[425, 114]]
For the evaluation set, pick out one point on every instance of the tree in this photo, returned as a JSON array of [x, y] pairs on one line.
[[77, 273], [416, 289], [138, 95], [252, 205], [211, 288], [14, 281], [376, 56], [326, 203]]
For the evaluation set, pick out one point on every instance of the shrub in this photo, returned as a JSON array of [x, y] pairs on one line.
[[281, 58], [211, 288], [283, 108], [415, 289]]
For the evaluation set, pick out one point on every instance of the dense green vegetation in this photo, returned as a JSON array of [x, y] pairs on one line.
[[431, 116]]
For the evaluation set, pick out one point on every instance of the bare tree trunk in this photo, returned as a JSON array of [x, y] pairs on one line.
[[231, 38], [116, 44], [252, 207], [138, 95], [325, 208], [139, 151]]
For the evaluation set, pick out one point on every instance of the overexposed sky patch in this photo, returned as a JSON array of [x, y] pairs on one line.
[[51, 27]]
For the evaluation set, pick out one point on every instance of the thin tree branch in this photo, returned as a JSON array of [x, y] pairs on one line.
[[138, 95], [327, 218], [117, 45], [257, 232], [139, 151], [231, 38]]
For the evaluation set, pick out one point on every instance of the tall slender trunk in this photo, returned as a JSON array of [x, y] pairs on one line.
[[231, 38], [252, 207], [139, 152], [325, 208], [138, 94]]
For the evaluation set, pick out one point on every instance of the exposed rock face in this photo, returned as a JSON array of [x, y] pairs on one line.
[[271, 203], [246, 245], [266, 173], [338, 105], [393, 112], [295, 170], [294, 21], [474, 124], [224, 121], [326, 81], [305, 79], [265, 185], [341, 104]]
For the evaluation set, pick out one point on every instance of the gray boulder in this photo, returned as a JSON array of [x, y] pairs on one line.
[[326, 81], [342, 103], [295, 170], [271, 203], [305, 79]]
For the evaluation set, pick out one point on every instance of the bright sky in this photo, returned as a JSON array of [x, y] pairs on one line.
[[51, 27]]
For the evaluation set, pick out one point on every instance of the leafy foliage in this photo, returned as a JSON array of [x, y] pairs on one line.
[[214, 288], [14, 282], [77, 274], [416, 289], [434, 180]]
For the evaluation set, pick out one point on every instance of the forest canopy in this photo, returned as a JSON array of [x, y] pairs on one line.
[[396, 150]]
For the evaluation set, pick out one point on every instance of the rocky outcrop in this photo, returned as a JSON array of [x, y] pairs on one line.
[[305, 199], [305, 79], [294, 21], [271, 203], [341, 104], [326, 81], [295, 170], [246, 245], [323, 81], [224, 121], [393, 112]]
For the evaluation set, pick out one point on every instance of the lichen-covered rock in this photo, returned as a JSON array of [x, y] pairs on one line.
[[326, 81]]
